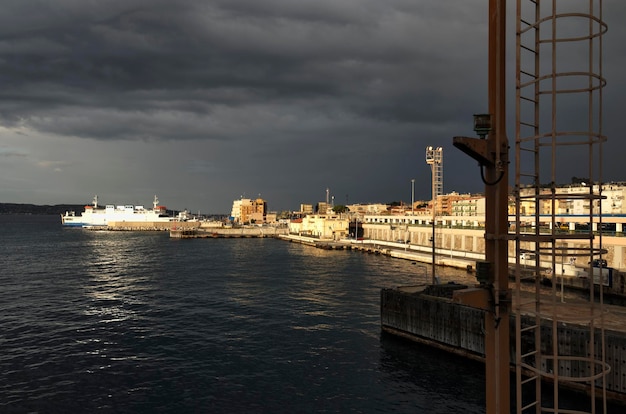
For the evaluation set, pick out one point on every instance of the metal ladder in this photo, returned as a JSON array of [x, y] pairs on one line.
[[546, 86]]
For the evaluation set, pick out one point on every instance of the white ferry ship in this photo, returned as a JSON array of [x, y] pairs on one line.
[[101, 216]]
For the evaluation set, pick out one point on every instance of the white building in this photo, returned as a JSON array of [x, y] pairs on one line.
[[368, 208], [235, 214]]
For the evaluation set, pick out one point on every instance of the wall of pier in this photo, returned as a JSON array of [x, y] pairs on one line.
[[439, 322]]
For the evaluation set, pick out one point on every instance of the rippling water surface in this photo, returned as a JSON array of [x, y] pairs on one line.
[[138, 322]]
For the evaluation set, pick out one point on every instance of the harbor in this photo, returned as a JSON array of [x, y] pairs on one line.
[[255, 293], [570, 350], [441, 315], [435, 315]]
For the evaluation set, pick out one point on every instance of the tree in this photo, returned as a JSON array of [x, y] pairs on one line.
[[579, 180], [339, 209], [283, 214]]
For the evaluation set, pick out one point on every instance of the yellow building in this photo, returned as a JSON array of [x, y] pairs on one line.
[[323, 226]]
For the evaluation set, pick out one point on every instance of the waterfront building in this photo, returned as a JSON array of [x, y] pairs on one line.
[[271, 218], [447, 204], [322, 226], [306, 208], [323, 208], [400, 210], [246, 210], [470, 205], [235, 213], [612, 203], [363, 209], [468, 210]]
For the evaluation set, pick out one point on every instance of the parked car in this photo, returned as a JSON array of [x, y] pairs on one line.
[[598, 263]]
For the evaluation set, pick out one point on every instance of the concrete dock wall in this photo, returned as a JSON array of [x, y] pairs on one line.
[[227, 232], [456, 328], [139, 225], [435, 321]]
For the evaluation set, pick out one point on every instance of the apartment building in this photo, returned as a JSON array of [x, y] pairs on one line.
[[246, 210]]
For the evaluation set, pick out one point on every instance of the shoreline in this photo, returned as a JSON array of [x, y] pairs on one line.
[[466, 262]]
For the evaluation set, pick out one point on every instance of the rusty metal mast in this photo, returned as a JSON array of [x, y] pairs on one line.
[[491, 152], [498, 331]]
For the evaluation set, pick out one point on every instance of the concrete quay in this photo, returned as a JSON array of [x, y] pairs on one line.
[[147, 225], [396, 250], [194, 229], [226, 232], [431, 317], [615, 293]]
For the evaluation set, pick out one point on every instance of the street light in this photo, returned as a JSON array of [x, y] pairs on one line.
[[563, 251], [412, 196]]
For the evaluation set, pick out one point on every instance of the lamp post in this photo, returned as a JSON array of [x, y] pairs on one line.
[[563, 249], [434, 277], [412, 196]]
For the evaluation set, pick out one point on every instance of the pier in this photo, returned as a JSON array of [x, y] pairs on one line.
[[433, 317], [226, 232], [574, 278]]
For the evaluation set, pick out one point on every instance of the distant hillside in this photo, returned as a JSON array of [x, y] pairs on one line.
[[14, 208]]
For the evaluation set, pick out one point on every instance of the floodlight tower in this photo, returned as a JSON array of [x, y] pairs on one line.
[[434, 158]]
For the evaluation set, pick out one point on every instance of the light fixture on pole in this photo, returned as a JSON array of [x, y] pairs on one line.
[[412, 196], [434, 157], [482, 125]]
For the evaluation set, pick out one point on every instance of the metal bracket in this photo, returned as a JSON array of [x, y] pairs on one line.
[[479, 298], [475, 148]]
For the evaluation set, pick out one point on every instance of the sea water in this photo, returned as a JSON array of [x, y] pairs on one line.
[[136, 322]]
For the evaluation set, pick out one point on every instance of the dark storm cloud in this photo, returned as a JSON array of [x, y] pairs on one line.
[[70, 60], [281, 97]]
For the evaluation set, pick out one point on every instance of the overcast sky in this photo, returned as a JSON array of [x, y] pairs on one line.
[[204, 101]]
